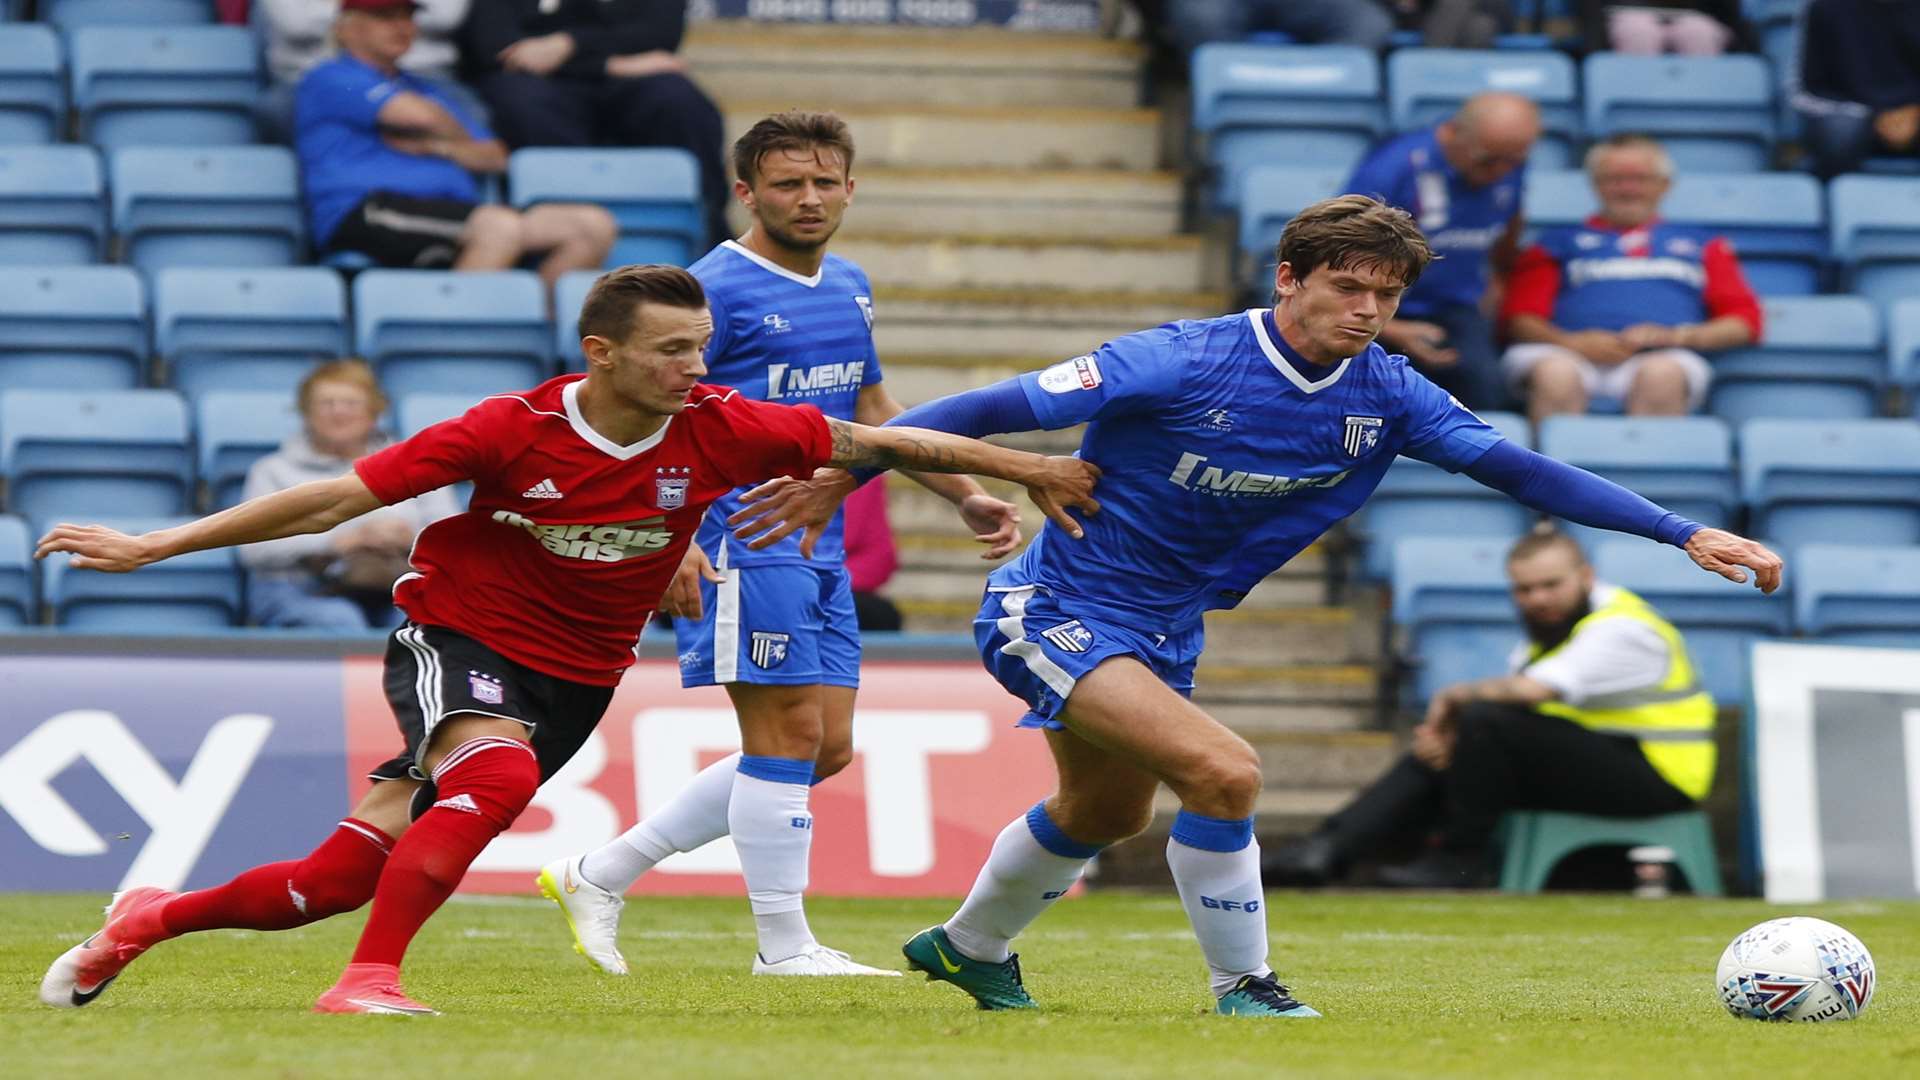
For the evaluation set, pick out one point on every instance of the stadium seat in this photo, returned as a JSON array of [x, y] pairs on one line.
[[1903, 348], [73, 453], [426, 330], [1418, 499], [19, 574], [1818, 359], [1536, 840], [258, 329], [33, 93], [53, 206], [1712, 113], [1425, 86], [569, 295], [1806, 481], [1684, 463], [1261, 104], [165, 86], [418, 411], [72, 328], [69, 14], [1719, 619], [1269, 197], [214, 206], [653, 193], [1776, 221], [196, 591], [1558, 197], [233, 429], [1858, 595], [1876, 234], [1452, 602]]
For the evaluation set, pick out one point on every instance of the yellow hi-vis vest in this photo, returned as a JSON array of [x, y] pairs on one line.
[[1673, 720]]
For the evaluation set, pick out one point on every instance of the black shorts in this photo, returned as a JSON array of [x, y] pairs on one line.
[[433, 673], [404, 231]]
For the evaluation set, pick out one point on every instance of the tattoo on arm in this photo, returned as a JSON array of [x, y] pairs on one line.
[[908, 452]]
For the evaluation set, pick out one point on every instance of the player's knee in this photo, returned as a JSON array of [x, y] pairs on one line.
[[833, 757], [492, 776], [1230, 781], [791, 729]]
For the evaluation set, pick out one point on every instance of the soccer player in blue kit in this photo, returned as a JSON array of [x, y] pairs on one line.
[[792, 324], [1226, 446]]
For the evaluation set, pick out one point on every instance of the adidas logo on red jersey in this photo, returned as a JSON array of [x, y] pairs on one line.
[[543, 490]]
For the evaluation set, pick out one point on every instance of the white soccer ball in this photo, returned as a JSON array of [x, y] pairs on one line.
[[1796, 968]]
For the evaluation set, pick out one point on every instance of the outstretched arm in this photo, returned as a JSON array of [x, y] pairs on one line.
[[995, 522], [313, 507]]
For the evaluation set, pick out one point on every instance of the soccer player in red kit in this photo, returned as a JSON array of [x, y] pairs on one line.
[[523, 612]]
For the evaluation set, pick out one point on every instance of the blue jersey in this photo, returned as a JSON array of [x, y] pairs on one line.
[[778, 336], [1222, 455], [1462, 222]]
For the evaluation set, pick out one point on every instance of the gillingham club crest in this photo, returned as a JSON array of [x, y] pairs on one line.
[[769, 650], [1362, 434], [670, 486]]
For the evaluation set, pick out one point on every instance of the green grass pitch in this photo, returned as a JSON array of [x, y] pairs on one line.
[[1426, 986]]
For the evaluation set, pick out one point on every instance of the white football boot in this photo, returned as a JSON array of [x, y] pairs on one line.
[[592, 913], [817, 960]]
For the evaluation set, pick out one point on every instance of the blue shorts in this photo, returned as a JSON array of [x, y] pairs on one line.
[[788, 624], [1039, 650]]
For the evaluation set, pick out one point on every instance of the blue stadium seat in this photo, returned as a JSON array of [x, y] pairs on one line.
[[569, 294], [1270, 195], [1858, 595], [1818, 359], [1712, 113], [53, 206], [68, 14], [1271, 104], [1418, 499], [1903, 348], [71, 453], [1425, 86], [19, 575], [418, 411], [165, 86], [1776, 221], [1806, 481], [1452, 601], [258, 329], [1684, 463], [233, 429], [1876, 234], [33, 92], [72, 327], [426, 330], [653, 193], [1720, 619], [1558, 197], [211, 206], [196, 591]]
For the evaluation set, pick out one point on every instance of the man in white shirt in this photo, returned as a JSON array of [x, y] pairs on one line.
[[1601, 715]]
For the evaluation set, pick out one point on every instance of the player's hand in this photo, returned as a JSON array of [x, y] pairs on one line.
[[1425, 343], [995, 523], [1601, 346], [1726, 554], [641, 65], [783, 506], [1059, 482], [96, 547], [541, 55], [682, 598]]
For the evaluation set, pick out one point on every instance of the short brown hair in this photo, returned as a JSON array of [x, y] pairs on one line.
[[351, 370], [795, 129], [615, 298], [1351, 232], [1544, 537]]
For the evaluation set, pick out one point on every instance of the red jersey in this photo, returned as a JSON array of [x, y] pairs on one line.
[[570, 539]]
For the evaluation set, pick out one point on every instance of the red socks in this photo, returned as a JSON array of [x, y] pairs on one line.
[[338, 877], [483, 784]]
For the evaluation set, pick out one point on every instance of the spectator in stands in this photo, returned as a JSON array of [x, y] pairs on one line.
[[340, 580], [1654, 27], [1602, 715], [1461, 180], [386, 161], [1193, 23], [1459, 24], [1859, 91], [299, 34], [1623, 306], [872, 556], [597, 73]]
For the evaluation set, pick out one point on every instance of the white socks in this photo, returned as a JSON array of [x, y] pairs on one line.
[[1031, 865], [693, 818], [773, 832], [1216, 866]]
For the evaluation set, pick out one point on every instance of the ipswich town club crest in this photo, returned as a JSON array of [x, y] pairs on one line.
[[1362, 434], [1069, 636], [769, 649], [670, 486]]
